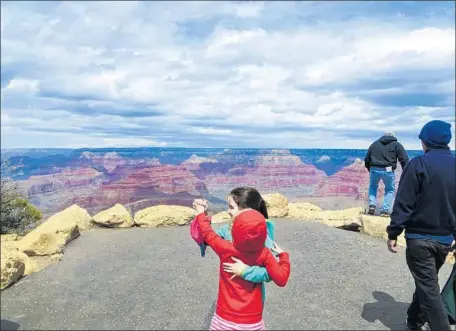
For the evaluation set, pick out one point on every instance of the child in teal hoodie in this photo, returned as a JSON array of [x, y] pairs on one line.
[[244, 198]]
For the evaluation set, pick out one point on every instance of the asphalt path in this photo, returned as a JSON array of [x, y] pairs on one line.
[[155, 279]]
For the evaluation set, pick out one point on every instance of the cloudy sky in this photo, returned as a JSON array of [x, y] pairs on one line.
[[224, 74]]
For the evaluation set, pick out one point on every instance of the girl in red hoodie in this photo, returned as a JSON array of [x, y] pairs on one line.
[[239, 303]]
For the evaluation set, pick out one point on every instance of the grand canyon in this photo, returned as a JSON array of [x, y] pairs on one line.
[[97, 179]]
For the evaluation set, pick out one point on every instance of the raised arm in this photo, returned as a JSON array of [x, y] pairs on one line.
[[210, 237], [221, 231]]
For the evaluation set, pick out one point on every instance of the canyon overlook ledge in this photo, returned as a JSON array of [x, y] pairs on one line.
[[21, 256]]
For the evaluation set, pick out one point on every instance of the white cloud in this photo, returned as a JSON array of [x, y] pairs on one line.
[[227, 68]]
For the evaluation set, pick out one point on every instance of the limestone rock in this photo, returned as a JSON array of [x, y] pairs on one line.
[[375, 226], [38, 263], [78, 214], [51, 236], [12, 267], [298, 209], [164, 215], [115, 217], [13, 245], [10, 237], [336, 218], [277, 204], [222, 217]]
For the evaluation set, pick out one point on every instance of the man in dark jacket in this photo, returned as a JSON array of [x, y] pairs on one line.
[[381, 161], [425, 207]]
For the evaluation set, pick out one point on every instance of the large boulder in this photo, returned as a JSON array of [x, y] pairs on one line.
[[375, 226], [277, 204], [164, 215], [80, 216], [301, 209], [51, 236], [345, 218], [222, 217], [12, 266], [114, 217], [13, 246]]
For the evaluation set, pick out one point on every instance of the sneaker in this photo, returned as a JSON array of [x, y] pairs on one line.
[[385, 214], [371, 210], [412, 326]]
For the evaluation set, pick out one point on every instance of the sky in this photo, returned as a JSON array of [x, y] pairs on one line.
[[224, 74]]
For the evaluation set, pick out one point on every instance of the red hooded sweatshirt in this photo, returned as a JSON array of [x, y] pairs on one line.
[[240, 301]]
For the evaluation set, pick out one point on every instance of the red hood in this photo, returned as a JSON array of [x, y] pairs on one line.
[[249, 231]]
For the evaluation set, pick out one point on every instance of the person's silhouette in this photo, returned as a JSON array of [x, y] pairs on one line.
[[387, 310]]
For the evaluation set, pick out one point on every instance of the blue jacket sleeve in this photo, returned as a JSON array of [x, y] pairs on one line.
[[256, 274], [408, 190], [221, 231]]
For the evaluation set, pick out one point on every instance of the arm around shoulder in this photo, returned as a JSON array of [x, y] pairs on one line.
[[279, 272]]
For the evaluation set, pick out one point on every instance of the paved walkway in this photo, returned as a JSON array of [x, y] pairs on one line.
[[155, 279]]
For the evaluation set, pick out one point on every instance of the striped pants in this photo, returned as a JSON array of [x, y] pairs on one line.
[[219, 323]]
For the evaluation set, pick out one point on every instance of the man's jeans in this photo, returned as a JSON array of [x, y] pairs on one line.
[[388, 179], [424, 259]]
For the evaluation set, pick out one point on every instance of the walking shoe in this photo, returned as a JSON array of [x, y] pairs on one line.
[[384, 213], [412, 326], [371, 210]]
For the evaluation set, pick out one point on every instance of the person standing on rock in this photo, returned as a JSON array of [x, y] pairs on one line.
[[381, 161], [425, 207]]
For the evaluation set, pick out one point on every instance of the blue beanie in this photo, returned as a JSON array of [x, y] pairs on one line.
[[435, 134]]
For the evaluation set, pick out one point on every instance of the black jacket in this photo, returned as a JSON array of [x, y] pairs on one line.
[[426, 198], [385, 152]]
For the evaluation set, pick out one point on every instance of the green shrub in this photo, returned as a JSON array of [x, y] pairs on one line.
[[17, 215]]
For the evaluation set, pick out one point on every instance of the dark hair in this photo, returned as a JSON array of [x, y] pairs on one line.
[[249, 197]]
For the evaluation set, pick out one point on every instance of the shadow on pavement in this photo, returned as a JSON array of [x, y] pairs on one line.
[[8, 325], [387, 310]]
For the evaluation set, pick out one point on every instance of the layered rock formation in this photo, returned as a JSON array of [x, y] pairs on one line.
[[111, 162], [155, 183], [277, 172], [351, 182], [55, 192]]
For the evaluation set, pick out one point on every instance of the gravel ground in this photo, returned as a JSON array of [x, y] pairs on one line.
[[155, 279]]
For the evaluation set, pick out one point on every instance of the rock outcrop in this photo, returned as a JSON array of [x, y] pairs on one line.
[[160, 183], [346, 218], [162, 216], [12, 266], [115, 217], [112, 161], [274, 172], [277, 204], [351, 181], [297, 209], [10, 237], [375, 226], [222, 217], [44, 245]]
